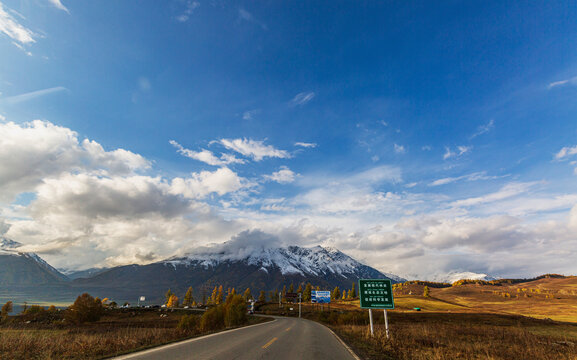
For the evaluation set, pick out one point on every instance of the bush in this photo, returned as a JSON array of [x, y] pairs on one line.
[[235, 311], [7, 308], [85, 309], [212, 319], [188, 322]]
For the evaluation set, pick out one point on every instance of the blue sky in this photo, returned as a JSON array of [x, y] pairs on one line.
[[423, 138]]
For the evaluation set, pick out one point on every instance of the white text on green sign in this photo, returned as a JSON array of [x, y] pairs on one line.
[[376, 294]]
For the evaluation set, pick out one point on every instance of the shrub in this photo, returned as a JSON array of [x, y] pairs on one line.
[[85, 309], [7, 308], [212, 319], [235, 311], [188, 322]]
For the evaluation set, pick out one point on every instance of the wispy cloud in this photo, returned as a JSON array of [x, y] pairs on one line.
[[570, 81], [58, 4], [461, 150], [306, 145], [254, 149], [566, 152], [470, 177], [247, 16], [399, 149], [31, 95], [190, 6], [483, 129], [19, 34], [250, 114], [507, 191], [206, 156], [302, 98]]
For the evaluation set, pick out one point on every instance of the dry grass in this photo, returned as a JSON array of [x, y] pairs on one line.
[[117, 332], [79, 343], [462, 336]]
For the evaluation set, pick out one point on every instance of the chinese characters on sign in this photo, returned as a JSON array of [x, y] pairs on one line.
[[376, 294]]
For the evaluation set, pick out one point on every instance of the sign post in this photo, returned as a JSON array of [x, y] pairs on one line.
[[376, 294]]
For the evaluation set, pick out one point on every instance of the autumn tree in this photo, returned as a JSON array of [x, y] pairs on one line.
[[167, 296], [6, 309], [300, 289], [262, 296], [247, 295], [426, 291], [213, 296], [307, 292], [291, 288], [219, 295], [353, 291], [188, 299], [172, 302], [85, 309], [344, 297], [336, 293], [235, 311]]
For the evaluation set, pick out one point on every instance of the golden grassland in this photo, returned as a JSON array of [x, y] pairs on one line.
[[117, 332], [517, 320]]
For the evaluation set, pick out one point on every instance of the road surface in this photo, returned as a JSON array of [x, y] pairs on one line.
[[283, 338]]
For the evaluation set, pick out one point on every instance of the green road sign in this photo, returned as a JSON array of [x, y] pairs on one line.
[[376, 294]]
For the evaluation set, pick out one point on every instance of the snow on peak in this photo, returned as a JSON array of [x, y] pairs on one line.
[[290, 260], [8, 247], [453, 276]]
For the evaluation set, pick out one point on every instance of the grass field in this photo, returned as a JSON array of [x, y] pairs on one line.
[[523, 320], [117, 332]]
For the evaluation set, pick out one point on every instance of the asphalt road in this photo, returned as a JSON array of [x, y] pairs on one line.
[[283, 338]]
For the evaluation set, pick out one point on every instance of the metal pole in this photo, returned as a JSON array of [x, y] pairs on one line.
[[371, 319], [386, 323], [300, 304]]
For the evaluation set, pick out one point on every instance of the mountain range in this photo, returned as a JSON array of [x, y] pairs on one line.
[[258, 269]]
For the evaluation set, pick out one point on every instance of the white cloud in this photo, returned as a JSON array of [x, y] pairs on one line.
[[190, 6], [461, 150], [247, 16], [253, 148], [249, 115], [306, 145], [470, 177], [283, 176], [34, 151], [32, 95], [199, 185], [566, 152], [14, 30], [206, 156], [483, 129], [507, 191], [399, 149], [58, 4], [570, 81], [302, 98]]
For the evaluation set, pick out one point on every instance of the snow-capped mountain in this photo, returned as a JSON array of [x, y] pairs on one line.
[[453, 276], [256, 268], [24, 268], [293, 260]]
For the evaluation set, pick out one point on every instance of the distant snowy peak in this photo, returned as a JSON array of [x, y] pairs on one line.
[[315, 261], [453, 276], [8, 247]]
